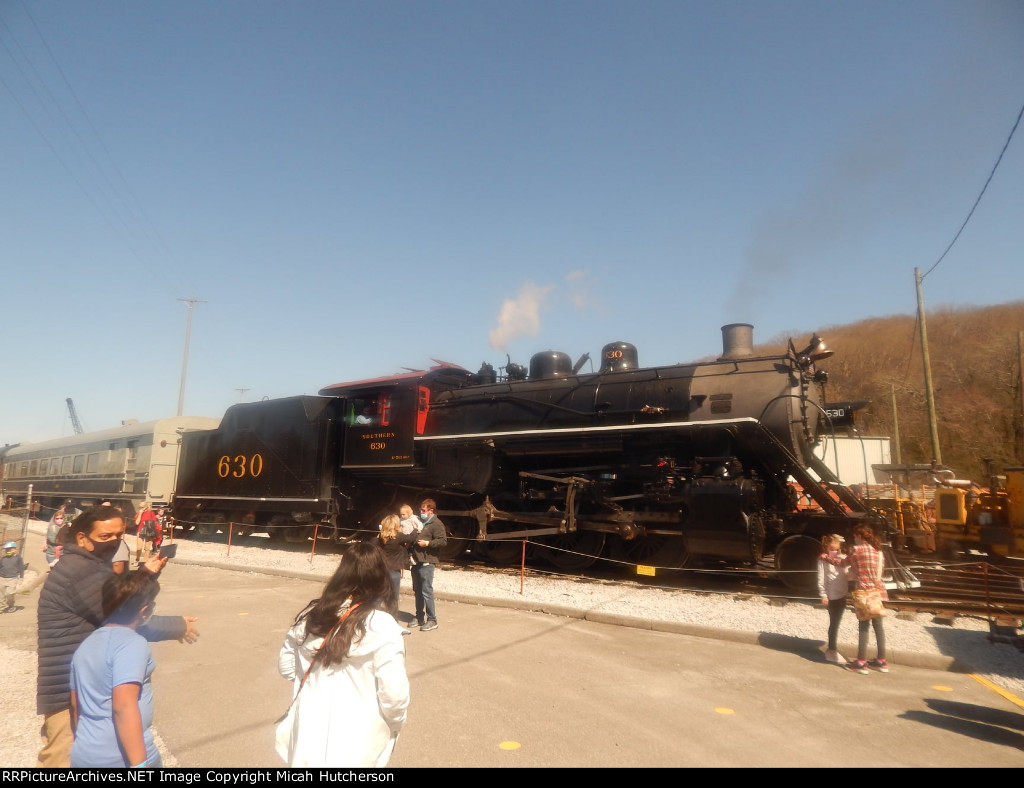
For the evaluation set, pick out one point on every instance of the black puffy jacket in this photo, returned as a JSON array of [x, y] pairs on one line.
[[70, 608]]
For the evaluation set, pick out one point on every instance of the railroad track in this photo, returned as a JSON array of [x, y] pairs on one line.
[[980, 587], [975, 589]]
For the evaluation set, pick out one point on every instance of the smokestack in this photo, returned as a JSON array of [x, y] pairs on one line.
[[737, 341]]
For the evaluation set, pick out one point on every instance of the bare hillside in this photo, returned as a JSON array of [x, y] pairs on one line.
[[975, 375]]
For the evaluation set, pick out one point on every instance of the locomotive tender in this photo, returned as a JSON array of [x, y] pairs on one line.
[[650, 465]]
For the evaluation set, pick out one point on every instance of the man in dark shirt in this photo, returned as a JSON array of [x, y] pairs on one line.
[[425, 551], [70, 608]]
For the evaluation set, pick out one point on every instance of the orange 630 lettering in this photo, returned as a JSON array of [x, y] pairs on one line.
[[240, 465]]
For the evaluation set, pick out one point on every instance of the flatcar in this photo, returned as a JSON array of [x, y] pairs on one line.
[[128, 465], [659, 466]]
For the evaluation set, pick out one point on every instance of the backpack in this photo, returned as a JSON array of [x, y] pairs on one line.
[[148, 529]]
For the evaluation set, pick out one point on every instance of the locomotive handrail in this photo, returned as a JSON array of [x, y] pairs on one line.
[[825, 474]]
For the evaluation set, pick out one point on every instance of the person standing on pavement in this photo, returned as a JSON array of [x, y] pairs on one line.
[[867, 564], [12, 574], [111, 691], [346, 660], [146, 533], [833, 588], [51, 547], [395, 546], [71, 608], [425, 552], [160, 519]]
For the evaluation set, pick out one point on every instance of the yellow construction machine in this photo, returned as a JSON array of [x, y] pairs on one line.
[[987, 519]]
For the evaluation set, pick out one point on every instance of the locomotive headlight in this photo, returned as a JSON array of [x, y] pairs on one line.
[[821, 376]]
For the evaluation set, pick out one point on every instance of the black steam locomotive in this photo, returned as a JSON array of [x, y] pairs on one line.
[[656, 466]]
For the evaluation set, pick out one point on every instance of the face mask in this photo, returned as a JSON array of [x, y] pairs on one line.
[[425, 516], [105, 550]]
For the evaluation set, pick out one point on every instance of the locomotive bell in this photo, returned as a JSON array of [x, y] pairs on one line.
[[618, 357], [737, 341], [550, 364]]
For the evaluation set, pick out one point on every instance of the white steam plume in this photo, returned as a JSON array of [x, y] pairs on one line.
[[519, 316]]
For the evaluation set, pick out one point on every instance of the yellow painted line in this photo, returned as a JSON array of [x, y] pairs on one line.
[[243, 614], [723, 710], [942, 688], [998, 690], [510, 745]]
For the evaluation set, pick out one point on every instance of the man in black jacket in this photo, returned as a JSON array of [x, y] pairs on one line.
[[432, 537], [70, 608]]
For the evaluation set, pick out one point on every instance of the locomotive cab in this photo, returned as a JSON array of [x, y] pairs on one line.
[[384, 415], [380, 425]]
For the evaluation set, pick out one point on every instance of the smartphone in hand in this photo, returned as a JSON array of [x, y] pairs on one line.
[[169, 550]]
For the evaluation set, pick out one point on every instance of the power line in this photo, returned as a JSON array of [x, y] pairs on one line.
[[969, 215], [118, 206]]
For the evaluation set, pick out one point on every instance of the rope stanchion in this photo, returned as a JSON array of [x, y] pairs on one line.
[[522, 568]]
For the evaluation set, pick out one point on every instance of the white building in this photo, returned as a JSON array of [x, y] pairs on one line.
[[851, 459]]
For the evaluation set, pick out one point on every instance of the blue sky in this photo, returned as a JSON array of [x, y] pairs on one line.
[[353, 188]]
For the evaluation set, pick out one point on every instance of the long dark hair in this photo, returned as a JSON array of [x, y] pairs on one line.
[[867, 535], [362, 576]]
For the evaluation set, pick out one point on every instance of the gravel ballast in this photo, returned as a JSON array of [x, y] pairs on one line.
[[789, 623]]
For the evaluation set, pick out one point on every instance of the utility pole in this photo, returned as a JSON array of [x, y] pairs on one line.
[[929, 393], [898, 455], [1020, 388], [241, 393], [191, 301]]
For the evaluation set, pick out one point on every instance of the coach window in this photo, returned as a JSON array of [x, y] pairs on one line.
[[92, 463], [24, 469], [65, 466], [79, 463], [133, 449], [32, 467], [54, 466]]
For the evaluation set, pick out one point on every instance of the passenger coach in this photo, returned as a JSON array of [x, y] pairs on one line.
[[129, 465]]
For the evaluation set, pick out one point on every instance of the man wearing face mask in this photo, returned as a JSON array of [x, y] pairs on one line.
[[71, 608], [431, 538]]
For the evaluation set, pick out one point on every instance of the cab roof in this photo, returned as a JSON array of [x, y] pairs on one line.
[[451, 373]]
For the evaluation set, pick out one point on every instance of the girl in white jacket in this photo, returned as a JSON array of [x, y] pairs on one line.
[[833, 588], [346, 659]]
